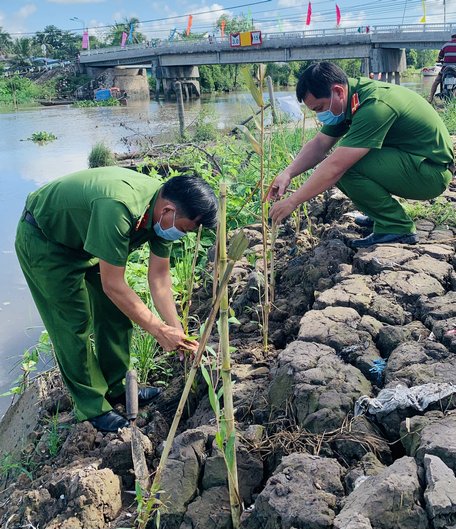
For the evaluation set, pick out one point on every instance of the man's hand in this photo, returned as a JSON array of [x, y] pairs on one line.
[[282, 209], [172, 339], [279, 186]]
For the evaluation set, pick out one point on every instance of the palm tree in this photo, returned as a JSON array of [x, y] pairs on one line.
[[22, 51], [114, 36], [5, 41]]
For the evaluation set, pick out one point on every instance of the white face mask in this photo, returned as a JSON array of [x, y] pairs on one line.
[[329, 118]]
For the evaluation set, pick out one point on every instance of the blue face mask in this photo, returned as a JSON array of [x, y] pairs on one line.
[[170, 234], [329, 118]]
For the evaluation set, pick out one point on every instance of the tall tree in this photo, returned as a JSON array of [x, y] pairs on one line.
[[60, 44], [234, 24], [22, 51], [114, 36], [5, 42]]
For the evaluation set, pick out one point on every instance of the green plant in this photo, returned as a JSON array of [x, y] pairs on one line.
[[88, 103], [53, 437], [42, 137], [439, 211], [101, 156], [449, 115], [28, 364], [11, 467], [147, 358]]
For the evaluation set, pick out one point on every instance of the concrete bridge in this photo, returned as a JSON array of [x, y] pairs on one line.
[[381, 47]]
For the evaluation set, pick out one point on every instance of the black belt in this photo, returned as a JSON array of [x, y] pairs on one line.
[[28, 217]]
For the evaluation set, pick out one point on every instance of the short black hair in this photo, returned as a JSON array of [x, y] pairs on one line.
[[193, 198], [318, 78]]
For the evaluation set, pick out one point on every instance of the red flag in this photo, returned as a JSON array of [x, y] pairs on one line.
[[189, 25], [337, 15], [309, 13], [222, 27]]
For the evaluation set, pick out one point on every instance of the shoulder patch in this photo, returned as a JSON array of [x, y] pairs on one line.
[[355, 102]]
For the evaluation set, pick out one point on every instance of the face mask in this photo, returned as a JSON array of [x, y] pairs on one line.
[[329, 118], [170, 234]]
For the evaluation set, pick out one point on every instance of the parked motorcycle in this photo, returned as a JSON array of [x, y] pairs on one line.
[[448, 83]]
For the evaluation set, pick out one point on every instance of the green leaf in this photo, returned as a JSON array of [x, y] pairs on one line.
[[211, 392], [229, 451], [219, 441], [257, 94], [253, 142]]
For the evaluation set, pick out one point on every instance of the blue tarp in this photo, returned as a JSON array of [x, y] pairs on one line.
[[102, 94]]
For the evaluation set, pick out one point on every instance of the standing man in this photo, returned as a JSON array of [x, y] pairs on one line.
[[73, 242], [447, 55], [390, 141]]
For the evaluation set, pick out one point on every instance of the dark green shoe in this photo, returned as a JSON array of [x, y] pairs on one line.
[[384, 238]]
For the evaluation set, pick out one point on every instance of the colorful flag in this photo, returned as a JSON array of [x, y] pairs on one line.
[[250, 18], [338, 15], [280, 25], [309, 14], [85, 40], [423, 18], [222, 27], [189, 25], [130, 34], [123, 40], [172, 33]]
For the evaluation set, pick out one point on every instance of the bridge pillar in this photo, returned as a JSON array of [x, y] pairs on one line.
[[388, 61], [188, 76]]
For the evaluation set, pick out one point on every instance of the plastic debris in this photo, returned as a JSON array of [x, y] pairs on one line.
[[402, 397], [378, 369]]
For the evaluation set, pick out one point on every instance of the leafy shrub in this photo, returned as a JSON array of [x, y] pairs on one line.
[[42, 137], [101, 156]]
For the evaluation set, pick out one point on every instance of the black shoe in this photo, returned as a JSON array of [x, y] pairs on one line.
[[384, 238], [110, 421], [364, 221], [145, 395]]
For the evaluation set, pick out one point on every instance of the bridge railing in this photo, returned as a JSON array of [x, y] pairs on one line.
[[223, 42]]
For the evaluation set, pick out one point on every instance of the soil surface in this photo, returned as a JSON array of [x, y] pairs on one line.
[[345, 327]]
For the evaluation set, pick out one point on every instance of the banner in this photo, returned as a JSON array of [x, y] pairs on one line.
[[123, 40], [309, 14], [423, 18], [189, 25], [337, 15], [222, 27], [130, 34], [245, 38], [85, 40]]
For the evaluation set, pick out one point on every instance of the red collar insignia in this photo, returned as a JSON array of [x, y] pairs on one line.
[[355, 103], [142, 222]]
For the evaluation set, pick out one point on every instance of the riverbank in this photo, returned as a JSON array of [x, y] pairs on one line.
[[303, 459]]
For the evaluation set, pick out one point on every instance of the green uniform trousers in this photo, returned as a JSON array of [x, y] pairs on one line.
[[372, 181], [69, 296]]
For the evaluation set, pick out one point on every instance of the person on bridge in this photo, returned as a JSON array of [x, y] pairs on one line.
[[390, 141], [447, 55], [73, 242]]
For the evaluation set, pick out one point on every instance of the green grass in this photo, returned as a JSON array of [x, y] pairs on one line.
[[42, 137], [101, 156], [439, 211], [449, 115]]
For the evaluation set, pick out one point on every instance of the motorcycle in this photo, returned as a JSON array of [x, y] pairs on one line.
[[448, 83]]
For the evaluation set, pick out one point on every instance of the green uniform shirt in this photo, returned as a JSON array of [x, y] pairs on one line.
[[97, 213], [389, 115]]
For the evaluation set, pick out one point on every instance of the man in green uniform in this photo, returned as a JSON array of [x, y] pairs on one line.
[[73, 242], [390, 142]]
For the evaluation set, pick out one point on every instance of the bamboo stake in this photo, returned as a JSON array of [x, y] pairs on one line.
[[233, 484], [273, 241], [238, 246], [264, 228]]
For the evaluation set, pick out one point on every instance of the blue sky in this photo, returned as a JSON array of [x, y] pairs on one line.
[[22, 17]]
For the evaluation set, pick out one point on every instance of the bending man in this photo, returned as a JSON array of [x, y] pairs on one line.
[[73, 242], [390, 142]]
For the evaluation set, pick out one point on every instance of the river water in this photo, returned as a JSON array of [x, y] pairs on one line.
[[26, 166]]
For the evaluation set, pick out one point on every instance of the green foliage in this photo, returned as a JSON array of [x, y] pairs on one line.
[[438, 211], [18, 90], [204, 128], [101, 156], [449, 115], [148, 359], [42, 137], [28, 364], [114, 36], [5, 41], [89, 103], [421, 58], [60, 44]]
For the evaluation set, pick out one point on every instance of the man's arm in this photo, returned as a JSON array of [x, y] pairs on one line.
[[117, 290], [325, 176], [160, 285], [312, 153]]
